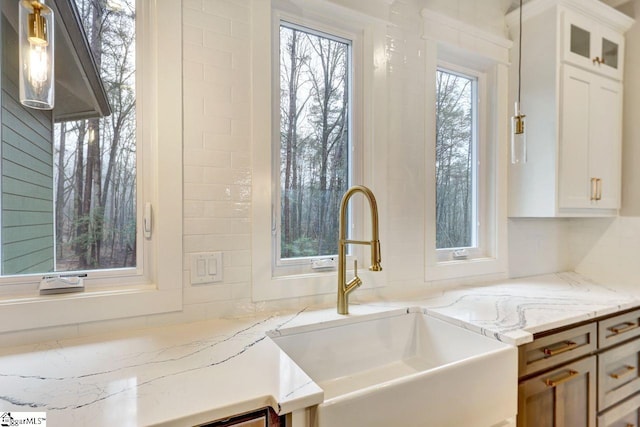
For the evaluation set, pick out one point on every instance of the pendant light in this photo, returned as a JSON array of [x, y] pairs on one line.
[[36, 54], [518, 130]]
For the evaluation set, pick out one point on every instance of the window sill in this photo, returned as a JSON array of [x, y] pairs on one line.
[[456, 269], [308, 285], [30, 312]]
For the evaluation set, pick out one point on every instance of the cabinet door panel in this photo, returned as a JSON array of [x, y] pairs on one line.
[[538, 410], [564, 397], [618, 375], [626, 414], [605, 130], [611, 48], [580, 42], [574, 181]]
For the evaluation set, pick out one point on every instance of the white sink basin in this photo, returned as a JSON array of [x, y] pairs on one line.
[[404, 368]]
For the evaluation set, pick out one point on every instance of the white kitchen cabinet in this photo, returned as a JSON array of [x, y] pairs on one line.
[[573, 108], [590, 134], [592, 46]]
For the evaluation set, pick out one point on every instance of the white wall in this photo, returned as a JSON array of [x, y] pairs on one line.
[[539, 246]]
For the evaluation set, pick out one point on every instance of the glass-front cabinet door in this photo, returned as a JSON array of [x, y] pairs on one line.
[[592, 46]]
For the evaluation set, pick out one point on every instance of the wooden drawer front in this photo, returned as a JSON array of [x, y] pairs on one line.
[[552, 350], [626, 414], [619, 328], [563, 397], [618, 375]]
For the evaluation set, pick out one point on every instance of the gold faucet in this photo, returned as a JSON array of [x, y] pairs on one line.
[[344, 287]]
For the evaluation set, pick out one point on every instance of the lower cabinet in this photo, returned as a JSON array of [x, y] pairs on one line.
[[561, 397], [587, 375]]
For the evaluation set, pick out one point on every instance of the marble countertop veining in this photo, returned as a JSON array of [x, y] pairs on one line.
[[193, 373]]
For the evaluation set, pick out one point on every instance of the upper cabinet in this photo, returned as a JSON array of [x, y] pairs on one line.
[[572, 70], [591, 45]]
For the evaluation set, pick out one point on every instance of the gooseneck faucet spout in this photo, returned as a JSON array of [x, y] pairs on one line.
[[344, 287]]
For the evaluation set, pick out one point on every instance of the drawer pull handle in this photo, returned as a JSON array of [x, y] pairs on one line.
[[552, 382], [552, 350], [625, 370], [623, 327]]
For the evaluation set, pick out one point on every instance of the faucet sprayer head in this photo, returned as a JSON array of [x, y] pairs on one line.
[[375, 256]]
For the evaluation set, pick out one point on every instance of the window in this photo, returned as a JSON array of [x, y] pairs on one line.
[[153, 283], [69, 196], [293, 243], [312, 151], [457, 163], [95, 159], [466, 140]]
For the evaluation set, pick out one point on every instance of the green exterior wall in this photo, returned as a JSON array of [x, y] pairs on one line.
[[26, 178]]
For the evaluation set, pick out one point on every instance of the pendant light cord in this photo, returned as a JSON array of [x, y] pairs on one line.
[[520, 55]]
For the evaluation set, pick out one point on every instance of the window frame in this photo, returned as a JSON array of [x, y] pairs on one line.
[[367, 35], [482, 240], [155, 285], [464, 45], [304, 265]]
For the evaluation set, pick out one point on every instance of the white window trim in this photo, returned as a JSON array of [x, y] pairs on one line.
[[453, 42], [370, 36], [157, 289]]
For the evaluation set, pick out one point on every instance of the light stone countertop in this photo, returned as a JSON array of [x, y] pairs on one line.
[[193, 373]]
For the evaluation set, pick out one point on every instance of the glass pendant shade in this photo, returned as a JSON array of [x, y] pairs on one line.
[[518, 137], [36, 46]]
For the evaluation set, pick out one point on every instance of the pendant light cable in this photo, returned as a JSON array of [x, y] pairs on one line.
[[520, 55]]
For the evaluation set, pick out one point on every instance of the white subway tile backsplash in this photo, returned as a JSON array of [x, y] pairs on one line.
[[193, 36], [193, 5], [607, 249], [226, 209], [195, 18], [225, 175], [193, 209], [538, 246], [211, 158], [234, 11]]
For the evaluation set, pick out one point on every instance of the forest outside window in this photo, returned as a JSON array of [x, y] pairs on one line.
[[150, 283], [312, 154], [458, 214], [71, 204]]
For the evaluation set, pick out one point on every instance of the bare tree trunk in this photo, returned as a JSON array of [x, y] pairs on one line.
[[59, 204], [79, 194], [91, 208]]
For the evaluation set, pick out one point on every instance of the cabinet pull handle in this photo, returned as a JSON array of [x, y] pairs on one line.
[[554, 349], [552, 382], [598, 189], [623, 327], [594, 189], [630, 425], [597, 60], [625, 370]]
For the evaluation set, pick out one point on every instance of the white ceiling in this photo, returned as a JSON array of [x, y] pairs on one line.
[[512, 4]]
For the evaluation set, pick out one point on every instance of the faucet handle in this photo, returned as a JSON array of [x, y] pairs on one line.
[[355, 267]]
